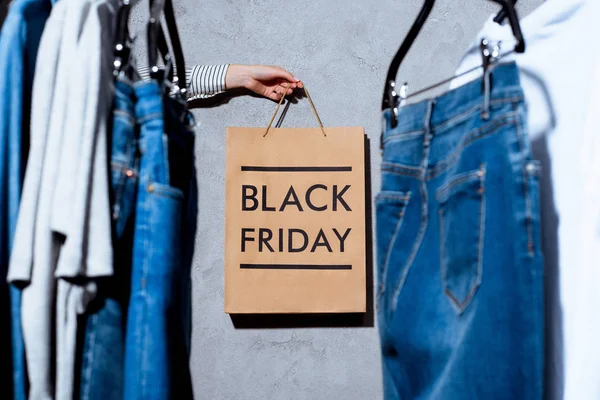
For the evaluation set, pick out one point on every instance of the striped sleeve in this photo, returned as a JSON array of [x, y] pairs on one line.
[[203, 81]]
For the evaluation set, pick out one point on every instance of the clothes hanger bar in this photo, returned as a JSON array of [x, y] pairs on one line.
[[445, 81], [390, 96]]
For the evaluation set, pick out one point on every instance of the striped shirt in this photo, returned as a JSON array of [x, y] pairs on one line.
[[203, 81]]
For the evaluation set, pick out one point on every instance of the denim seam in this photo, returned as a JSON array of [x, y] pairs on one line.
[[424, 205], [117, 193], [443, 165], [454, 120], [388, 252], [119, 188], [472, 137], [402, 135], [442, 192], [130, 119], [392, 195], [395, 168], [125, 98], [415, 248], [151, 116], [123, 167], [461, 307], [89, 357], [528, 210], [165, 155], [145, 270], [440, 128], [160, 189]]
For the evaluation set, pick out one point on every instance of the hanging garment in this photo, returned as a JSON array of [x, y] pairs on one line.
[[557, 73], [584, 380], [154, 323], [81, 206], [458, 248], [19, 41], [103, 347], [33, 241], [103, 340]]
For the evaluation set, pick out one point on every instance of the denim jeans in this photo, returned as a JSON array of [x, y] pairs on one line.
[[460, 305], [155, 330], [103, 350], [19, 41]]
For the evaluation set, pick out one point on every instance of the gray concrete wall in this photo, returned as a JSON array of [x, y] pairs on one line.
[[341, 49]]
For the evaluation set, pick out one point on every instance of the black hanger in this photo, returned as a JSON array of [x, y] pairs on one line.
[[177, 49], [390, 96], [502, 15], [508, 6], [155, 42], [389, 93], [123, 42]]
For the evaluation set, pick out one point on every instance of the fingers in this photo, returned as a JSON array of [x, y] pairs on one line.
[[293, 85], [279, 72], [286, 88], [274, 96], [288, 85], [273, 90], [275, 93]]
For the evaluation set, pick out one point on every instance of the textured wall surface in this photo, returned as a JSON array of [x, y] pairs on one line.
[[341, 49]]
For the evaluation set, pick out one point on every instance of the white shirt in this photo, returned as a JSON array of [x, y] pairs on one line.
[[560, 75], [81, 205], [66, 185], [35, 247]]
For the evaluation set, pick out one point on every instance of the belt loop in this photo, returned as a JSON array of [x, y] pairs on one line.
[[427, 121], [485, 113]]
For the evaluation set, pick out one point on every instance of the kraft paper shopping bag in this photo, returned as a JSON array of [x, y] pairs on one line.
[[295, 220]]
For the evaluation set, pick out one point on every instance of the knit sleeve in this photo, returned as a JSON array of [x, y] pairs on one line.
[[203, 81]]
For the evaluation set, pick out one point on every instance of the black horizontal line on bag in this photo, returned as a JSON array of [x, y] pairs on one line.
[[252, 168], [298, 266]]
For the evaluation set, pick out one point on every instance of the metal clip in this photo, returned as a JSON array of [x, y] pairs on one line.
[[395, 101], [489, 55]]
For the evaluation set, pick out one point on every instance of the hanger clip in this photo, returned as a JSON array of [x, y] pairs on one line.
[[396, 100], [489, 55]]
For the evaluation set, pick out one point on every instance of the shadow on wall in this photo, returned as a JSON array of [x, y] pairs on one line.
[[553, 313], [225, 97]]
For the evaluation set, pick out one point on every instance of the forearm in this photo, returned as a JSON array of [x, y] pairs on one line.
[[202, 80]]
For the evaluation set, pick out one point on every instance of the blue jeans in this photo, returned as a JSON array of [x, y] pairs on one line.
[[19, 43], [460, 305], [103, 349], [155, 343]]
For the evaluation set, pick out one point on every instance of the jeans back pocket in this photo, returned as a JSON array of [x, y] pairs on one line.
[[391, 207], [462, 226]]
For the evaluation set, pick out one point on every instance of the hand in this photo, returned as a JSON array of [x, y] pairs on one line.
[[269, 81]]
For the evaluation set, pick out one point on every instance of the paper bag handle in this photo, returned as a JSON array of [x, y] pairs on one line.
[[312, 105]]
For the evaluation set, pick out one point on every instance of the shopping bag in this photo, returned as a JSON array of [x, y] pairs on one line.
[[295, 220]]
